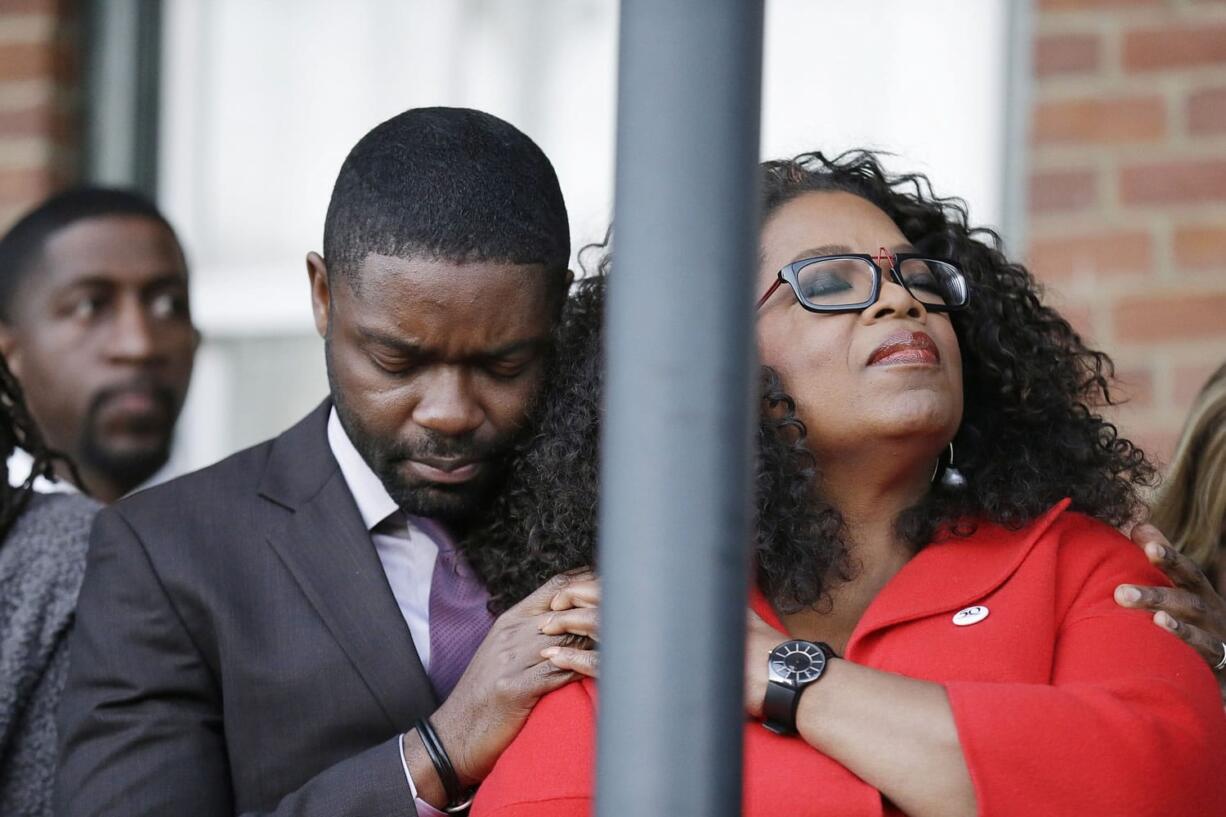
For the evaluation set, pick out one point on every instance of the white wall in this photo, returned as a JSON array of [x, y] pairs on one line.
[[262, 99]]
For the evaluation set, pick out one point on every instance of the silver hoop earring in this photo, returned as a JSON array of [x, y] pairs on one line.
[[951, 478]]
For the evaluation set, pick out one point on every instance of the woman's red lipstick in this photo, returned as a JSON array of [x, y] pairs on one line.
[[906, 347]]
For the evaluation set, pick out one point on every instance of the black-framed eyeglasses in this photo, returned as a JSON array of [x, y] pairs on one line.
[[852, 282]]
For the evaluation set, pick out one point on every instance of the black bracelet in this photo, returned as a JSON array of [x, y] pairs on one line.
[[457, 799]]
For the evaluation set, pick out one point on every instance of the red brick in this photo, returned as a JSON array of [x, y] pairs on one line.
[[1176, 182], [22, 187], [1135, 386], [1202, 247], [1183, 46], [1189, 380], [1080, 316], [1099, 121], [1096, 254], [33, 6], [1062, 190], [1056, 54], [1157, 443], [1207, 111], [26, 61], [34, 121], [1082, 5], [1178, 316]]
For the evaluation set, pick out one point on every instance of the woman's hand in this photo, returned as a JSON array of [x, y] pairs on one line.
[[1191, 609], [761, 638], [575, 614]]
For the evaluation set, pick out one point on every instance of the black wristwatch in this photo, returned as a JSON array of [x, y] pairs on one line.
[[792, 667]]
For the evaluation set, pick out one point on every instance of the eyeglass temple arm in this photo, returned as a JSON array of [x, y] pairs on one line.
[[769, 292]]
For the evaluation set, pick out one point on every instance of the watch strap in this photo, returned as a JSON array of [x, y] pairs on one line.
[[783, 699], [779, 708]]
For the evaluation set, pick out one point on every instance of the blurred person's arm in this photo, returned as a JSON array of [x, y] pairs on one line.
[[1193, 610], [141, 726]]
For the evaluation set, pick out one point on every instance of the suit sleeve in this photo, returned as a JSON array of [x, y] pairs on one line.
[[1131, 723], [140, 722]]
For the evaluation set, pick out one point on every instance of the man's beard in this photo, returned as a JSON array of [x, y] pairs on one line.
[[128, 466], [455, 504]]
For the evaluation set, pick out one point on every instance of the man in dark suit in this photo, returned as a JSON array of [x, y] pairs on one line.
[[265, 636]]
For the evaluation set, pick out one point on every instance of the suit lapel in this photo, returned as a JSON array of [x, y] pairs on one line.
[[327, 549]]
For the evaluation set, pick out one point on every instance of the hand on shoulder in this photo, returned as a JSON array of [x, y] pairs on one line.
[[1192, 610]]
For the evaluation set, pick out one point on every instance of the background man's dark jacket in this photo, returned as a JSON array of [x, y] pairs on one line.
[[42, 559], [238, 649]]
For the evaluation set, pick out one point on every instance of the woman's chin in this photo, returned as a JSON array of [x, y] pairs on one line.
[[920, 414]]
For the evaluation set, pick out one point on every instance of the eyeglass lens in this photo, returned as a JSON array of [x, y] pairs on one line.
[[847, 281]]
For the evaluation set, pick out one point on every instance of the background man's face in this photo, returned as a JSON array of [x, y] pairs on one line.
[[102, 342], [434, 369]]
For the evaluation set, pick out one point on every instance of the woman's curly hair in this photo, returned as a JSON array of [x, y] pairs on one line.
[[1030, 435]]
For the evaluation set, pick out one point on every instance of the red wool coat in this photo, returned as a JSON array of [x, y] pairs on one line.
[[1065, 703]]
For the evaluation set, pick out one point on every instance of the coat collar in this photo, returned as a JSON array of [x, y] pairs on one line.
[[300, 461], [325, 545], [954, 572], [951, 573]]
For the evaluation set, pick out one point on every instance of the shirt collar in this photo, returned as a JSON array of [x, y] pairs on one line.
[[374, 502]]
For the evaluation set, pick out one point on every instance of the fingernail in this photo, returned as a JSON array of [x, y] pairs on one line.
[[550, 652], [1155, 550], [1168, 621], [1129, 594]]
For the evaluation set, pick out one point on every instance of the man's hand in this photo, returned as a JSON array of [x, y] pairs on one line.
[[1191, 609], [497, 691], [575, 617]]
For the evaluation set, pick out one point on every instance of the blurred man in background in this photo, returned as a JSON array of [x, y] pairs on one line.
[[96, 326]]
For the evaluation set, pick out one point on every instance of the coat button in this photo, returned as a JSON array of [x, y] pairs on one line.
[[970, 615]]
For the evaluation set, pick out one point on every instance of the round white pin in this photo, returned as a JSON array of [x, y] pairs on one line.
[[970, 615]]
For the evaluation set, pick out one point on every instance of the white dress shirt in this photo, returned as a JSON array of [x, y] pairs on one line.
[[20, 462], [406, 552], [19, 465]]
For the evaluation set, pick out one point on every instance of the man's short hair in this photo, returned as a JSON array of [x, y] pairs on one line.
[[451, 184], [22, 246]]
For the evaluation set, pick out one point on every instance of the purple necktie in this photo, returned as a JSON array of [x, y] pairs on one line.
[[459, 618]]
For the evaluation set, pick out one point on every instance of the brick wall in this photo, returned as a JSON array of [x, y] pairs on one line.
[[39, 101], [1128, 192]]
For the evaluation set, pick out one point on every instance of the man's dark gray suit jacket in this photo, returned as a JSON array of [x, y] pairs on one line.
[[238, 649]]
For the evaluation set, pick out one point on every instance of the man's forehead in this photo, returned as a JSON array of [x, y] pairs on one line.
[[424, 273], [448, 287], [122, 248], [448, 306]]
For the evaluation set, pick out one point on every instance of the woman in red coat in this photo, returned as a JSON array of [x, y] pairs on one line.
[[933, 629]]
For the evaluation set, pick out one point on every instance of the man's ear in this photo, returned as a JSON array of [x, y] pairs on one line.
[[563, 292], [321, 293], [9, 349]]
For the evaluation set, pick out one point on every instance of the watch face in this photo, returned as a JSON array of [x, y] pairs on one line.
[[799, 662]]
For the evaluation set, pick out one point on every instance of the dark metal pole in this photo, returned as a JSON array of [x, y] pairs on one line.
[[675, 513]]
